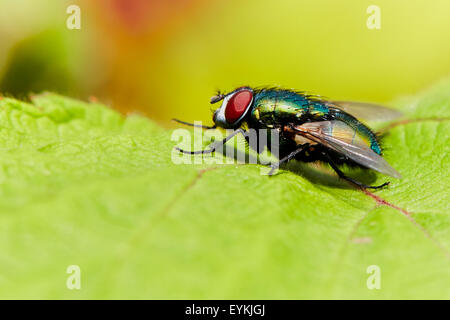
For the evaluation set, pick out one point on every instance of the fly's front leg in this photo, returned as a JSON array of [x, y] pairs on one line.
[[194, 125], [214, 146], [286, 159], [343, 176]]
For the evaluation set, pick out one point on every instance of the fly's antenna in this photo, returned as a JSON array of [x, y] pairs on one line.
[[219, 96], [194, 125]]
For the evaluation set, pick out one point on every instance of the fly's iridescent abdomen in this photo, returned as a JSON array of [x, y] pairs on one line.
[[275, 107]]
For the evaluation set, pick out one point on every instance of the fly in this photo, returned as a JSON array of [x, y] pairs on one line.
[[310, 128]]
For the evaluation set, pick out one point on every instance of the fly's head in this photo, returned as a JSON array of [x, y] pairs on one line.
[[235, 106]]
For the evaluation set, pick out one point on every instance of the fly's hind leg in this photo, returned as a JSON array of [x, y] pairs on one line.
[[343, 176]]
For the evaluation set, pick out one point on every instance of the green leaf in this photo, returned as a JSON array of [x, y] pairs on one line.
[[82, 185]]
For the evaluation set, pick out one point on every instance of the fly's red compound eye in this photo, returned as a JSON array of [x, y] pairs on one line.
[[237, 105]]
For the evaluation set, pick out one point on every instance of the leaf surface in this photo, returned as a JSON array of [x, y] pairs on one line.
[[82, 185]]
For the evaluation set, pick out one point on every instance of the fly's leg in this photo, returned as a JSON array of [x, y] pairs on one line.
[[194, 125], [343, 176], [214, 146], [286, 159]]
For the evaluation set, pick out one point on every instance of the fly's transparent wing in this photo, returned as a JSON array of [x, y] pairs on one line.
[[367, 111], [337, 136]]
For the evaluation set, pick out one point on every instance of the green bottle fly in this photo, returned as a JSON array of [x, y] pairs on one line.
[[310, 128]]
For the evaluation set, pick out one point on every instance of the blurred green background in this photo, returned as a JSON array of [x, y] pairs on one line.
[[166, 58]]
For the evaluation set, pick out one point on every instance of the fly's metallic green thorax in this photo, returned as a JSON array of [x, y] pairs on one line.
[[274, 107]]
